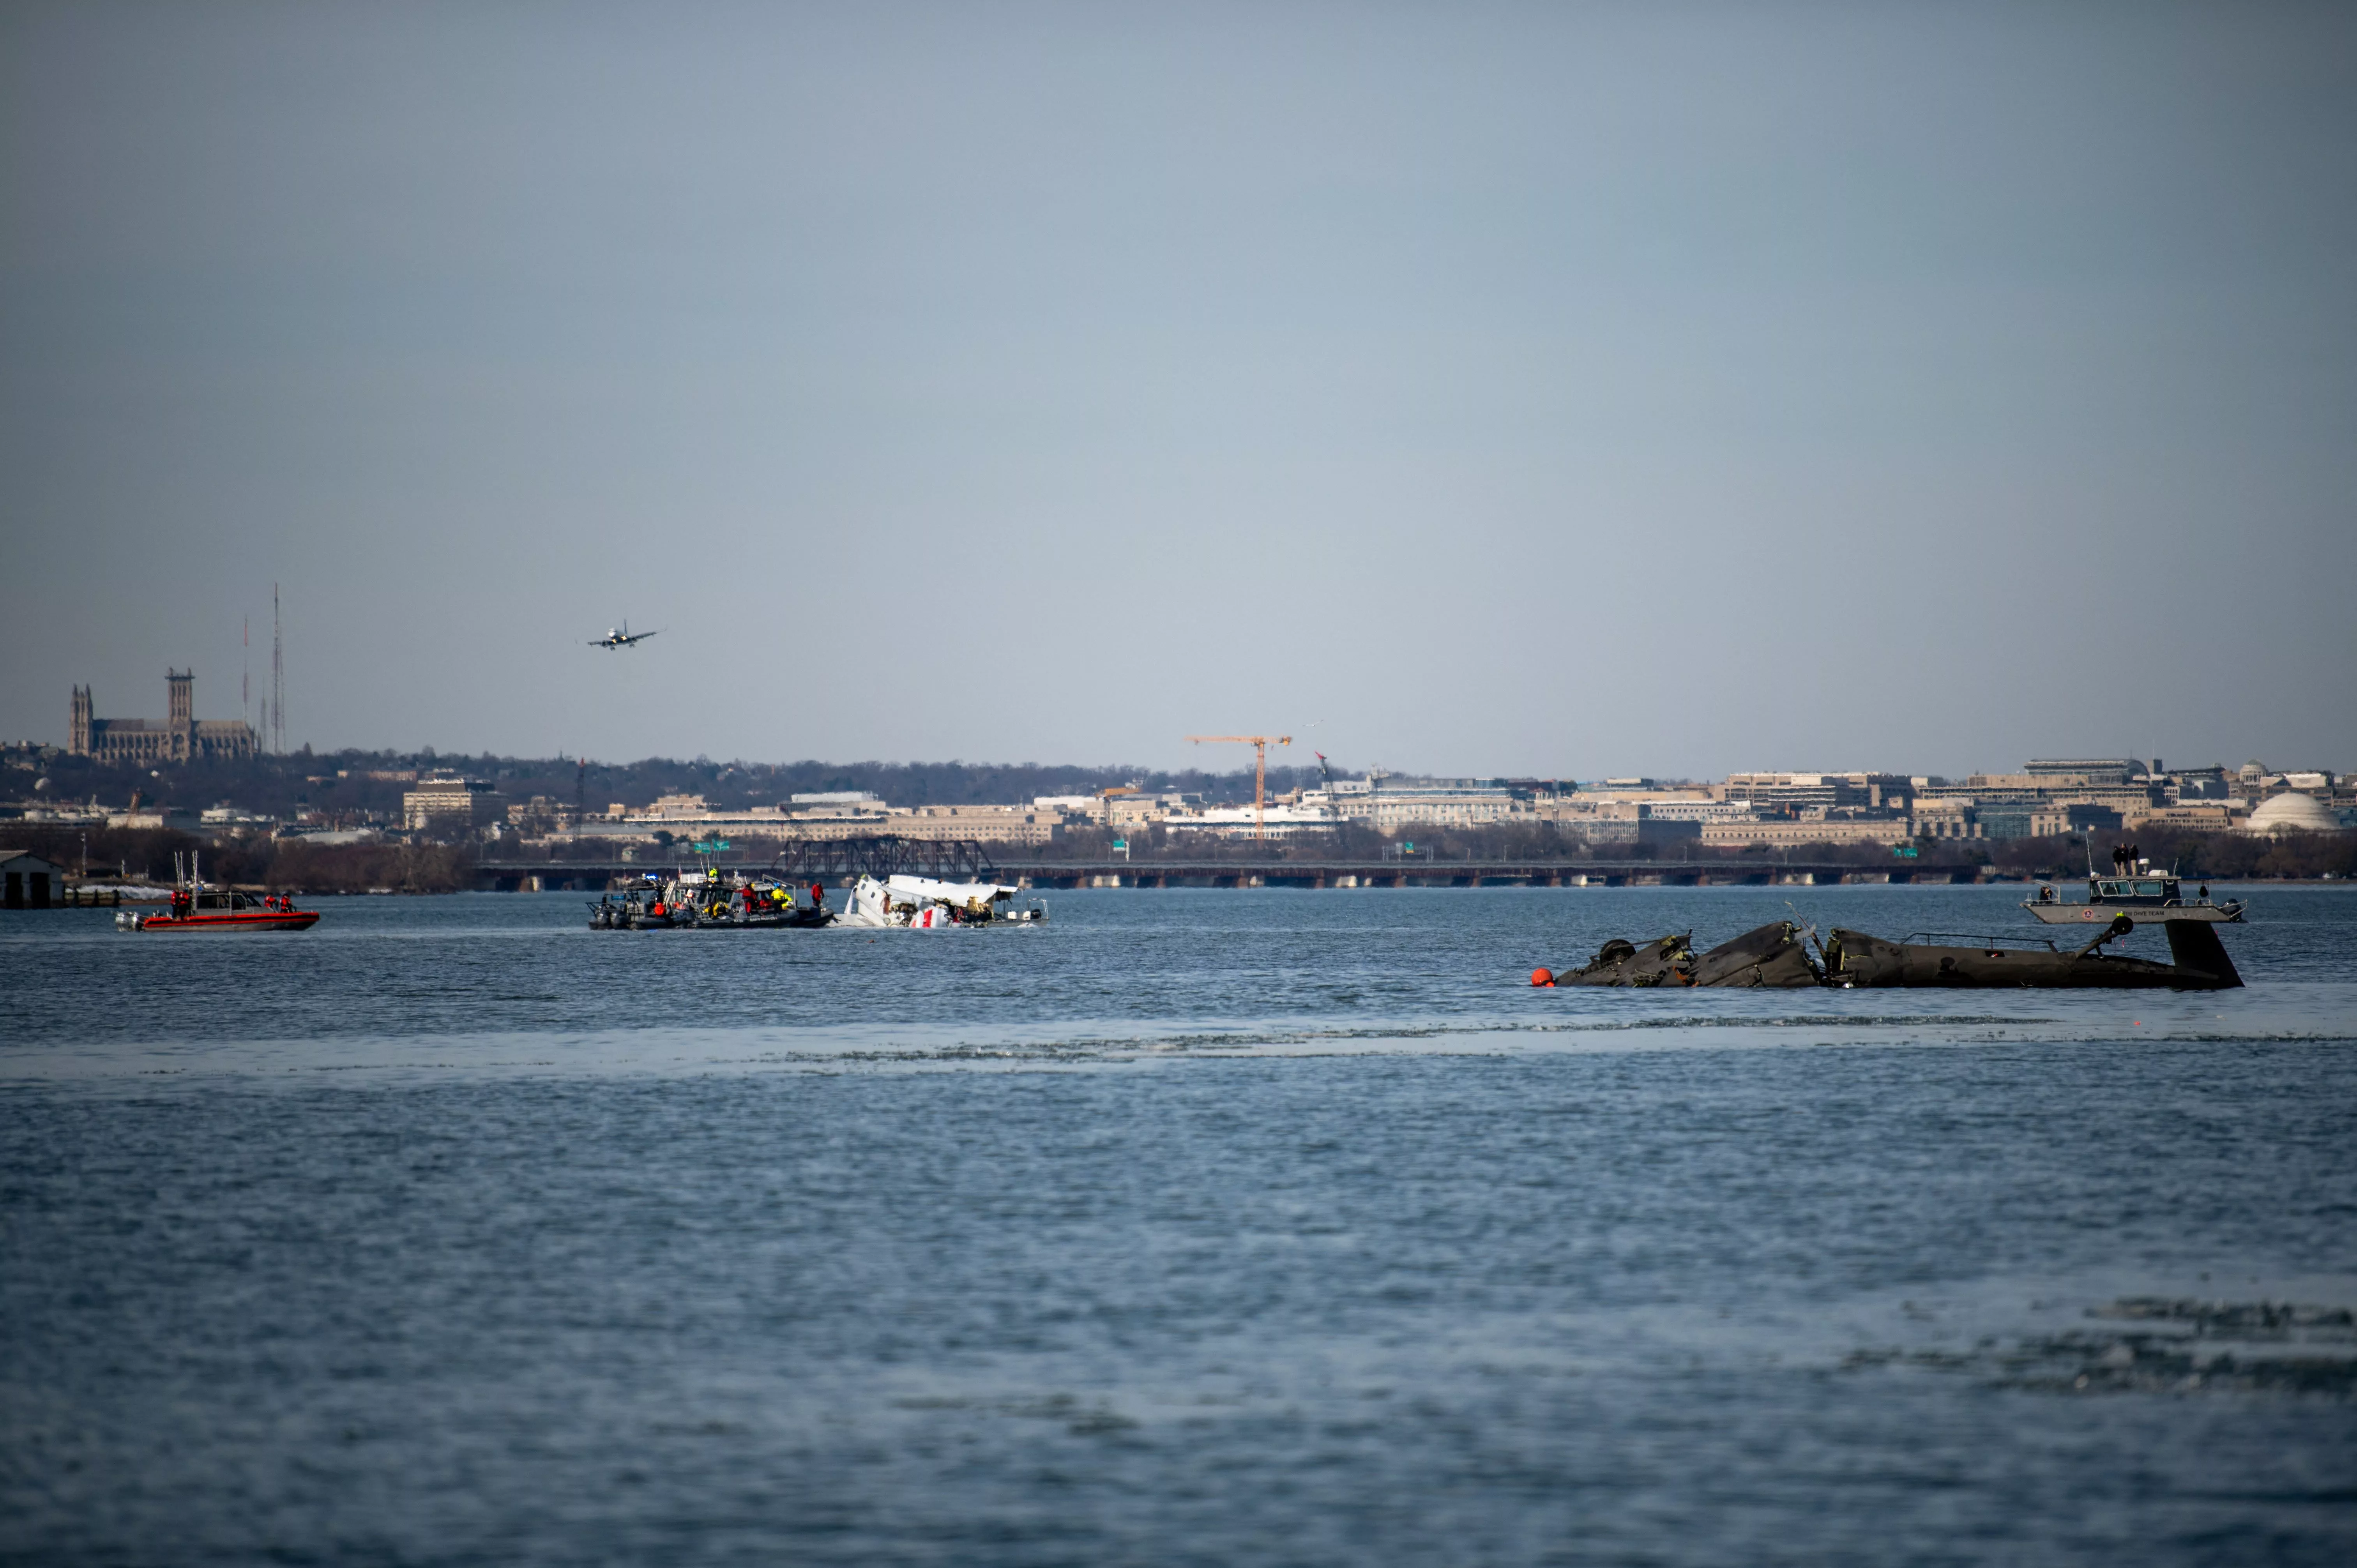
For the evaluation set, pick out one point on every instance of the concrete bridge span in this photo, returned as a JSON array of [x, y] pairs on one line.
[[598, 876]]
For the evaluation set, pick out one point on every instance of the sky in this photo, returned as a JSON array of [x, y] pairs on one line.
[[1555, 391]]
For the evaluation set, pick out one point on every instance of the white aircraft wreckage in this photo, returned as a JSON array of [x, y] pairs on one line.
[[714, 900], [919, 903]]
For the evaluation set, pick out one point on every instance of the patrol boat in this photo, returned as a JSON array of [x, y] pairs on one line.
[[2136, 890], [707, 901], [197, 908]]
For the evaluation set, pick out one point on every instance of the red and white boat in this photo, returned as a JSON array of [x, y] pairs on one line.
[[195, 908]]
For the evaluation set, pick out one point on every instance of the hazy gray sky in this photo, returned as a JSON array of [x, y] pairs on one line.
[[1555, 389]]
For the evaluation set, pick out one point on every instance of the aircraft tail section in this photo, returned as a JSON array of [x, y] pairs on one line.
[[2194, 944]]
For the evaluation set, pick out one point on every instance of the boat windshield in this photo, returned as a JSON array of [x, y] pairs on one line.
[[2142, 887]]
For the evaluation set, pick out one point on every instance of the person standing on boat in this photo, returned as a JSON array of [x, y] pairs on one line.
[[818, 897]]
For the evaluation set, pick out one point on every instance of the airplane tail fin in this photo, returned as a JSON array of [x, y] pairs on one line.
[[2194, 944]]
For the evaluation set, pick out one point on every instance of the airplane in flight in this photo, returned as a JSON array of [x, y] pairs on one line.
[[624, 638]]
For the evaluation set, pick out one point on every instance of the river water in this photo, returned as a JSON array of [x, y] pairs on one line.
[[1194, 1227]]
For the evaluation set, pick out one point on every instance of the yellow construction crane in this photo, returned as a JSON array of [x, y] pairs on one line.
[[1260, 744]]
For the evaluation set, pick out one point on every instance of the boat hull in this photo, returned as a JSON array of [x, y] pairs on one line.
[[298, 920], [2142, 914], [799, 920]]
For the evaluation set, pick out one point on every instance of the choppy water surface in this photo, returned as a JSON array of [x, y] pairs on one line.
[[1196, 1227]]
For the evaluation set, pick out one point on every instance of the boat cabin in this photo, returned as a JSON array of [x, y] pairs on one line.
[[2151, 889]]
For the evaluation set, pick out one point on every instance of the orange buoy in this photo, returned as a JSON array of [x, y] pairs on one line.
[[1542, 977]]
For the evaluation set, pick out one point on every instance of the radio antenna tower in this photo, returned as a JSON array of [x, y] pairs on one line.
[[245, 681], [277, 679]]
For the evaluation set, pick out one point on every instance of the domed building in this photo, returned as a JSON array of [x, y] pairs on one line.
[[2292, 812]]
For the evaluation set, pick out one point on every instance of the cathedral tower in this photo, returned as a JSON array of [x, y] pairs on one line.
[[181, 724]]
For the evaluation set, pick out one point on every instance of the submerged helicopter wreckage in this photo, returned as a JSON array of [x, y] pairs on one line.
[[1777, 956]]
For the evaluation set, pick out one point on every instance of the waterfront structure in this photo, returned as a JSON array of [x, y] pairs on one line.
[[836, 816], [30, 881], [2088, 770], [1143, 811], [1277, 822], [1792, 793], [1794, 835], [540, 814], [1780, 809], [2214, 816], [2050, 796], [1384, 801], [2201, 784], [57, 813], [1696, 811], [984, 824], [2048, 789], [180, 737], [1639, 811], [447, 803], [1946, 820], [2011, 821], [140, 818]]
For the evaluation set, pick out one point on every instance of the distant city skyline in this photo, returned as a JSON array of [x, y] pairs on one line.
[[182, 682], [1503, 392], [128, 740]]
